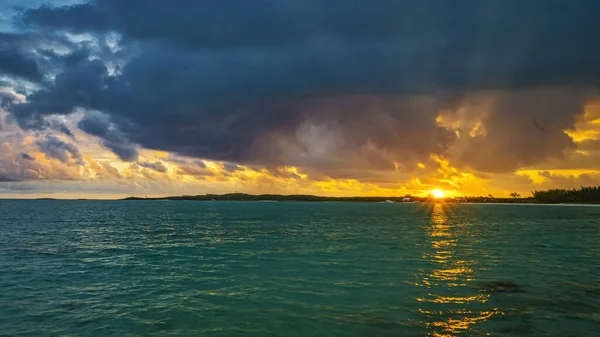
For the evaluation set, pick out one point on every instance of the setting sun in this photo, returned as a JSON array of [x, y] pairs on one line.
[[437, 193]]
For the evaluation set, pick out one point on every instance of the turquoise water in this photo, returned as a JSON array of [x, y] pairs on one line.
[[184, 268]]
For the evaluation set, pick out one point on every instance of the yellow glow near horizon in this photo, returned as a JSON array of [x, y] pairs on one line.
[[437, 193]]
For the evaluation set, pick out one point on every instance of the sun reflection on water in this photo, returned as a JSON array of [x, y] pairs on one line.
[[449, 307]]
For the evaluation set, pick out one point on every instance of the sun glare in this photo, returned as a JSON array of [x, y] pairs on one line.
[[437, 193]]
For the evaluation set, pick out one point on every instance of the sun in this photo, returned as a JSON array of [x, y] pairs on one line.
[[437, 193]]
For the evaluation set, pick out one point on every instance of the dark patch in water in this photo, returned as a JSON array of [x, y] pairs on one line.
[[164, 325], [501, 287], [519, 329], [381, 323], [70, 306]]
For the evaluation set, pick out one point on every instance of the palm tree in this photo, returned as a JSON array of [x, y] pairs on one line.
[[514, 195]]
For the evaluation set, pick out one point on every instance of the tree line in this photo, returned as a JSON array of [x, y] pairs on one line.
[[274, 197], [581, 195], [577, 195], [552, 196]]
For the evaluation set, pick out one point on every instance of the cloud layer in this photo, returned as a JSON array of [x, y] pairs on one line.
[[336, 88]]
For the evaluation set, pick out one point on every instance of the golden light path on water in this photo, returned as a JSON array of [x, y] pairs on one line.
[[449, 305]]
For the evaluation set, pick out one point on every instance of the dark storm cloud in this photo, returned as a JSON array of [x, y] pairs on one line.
[[592, 145], [156, 166], [244, 81], [6, 178], [364, 132], [461, 29], [53, 147], [472, 42], [15, 63], [15, 59], [60, 127], [27, 156], [29, 56], [230, 167], [511, 139], [96, 124], [196, 168], [77, 85], [99, 125], [200, 164]]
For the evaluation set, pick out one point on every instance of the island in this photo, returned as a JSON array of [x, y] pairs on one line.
[[583, 195]]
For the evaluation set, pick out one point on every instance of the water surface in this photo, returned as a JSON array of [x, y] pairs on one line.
[[185, 268]]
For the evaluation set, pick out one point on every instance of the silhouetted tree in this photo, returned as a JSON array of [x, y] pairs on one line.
[[514, 195], [583, 194]]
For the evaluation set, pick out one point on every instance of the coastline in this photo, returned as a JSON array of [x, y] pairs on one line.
[[314, 198], [314, 201], [384, 200], [529, 204]]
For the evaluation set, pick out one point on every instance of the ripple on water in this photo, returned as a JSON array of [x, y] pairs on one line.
[[148, 268]]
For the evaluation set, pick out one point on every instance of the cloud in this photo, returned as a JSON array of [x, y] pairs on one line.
[[518, 128], [196, 169], [230, 167], [333, 87], [200, 163], [99, 125], [30, 57], [54, 147], [5, 178], [6, 97], [15, 63], [155, 166], [471, 43], [469, 33], [103, 170], [17, 166]]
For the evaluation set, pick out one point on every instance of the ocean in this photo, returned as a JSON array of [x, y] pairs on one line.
[[186, 268]]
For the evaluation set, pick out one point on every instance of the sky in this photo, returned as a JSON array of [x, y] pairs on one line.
[[112, 98]]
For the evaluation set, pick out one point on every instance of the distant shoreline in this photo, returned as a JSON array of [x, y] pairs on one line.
[[313, 198], [446, 201], [529, 203], [583, 196]]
